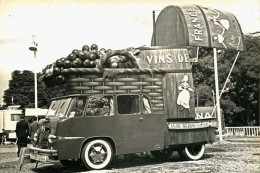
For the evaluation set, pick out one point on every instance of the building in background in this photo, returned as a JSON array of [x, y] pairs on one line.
[[10, 116]]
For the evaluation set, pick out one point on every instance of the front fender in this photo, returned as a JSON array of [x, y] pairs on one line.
[[69, 148]]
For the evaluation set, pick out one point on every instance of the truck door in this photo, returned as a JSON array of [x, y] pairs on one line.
[[129, 124], [153, 126]]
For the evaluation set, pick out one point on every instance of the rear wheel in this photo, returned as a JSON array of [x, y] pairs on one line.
[[162, 154], [97, 154], [192, 153]]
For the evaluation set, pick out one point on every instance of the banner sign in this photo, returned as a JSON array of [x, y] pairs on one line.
[[205, 115], [191, 125], [164, 59]]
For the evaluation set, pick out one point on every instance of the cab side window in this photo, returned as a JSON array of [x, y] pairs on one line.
[[77, 108], [100, 106], [128, 104], [64, 105]]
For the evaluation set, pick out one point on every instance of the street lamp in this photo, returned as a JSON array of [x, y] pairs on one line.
[[33, 48]]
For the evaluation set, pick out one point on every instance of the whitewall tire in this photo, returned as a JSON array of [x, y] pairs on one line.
[[192, 152], [97, 154]]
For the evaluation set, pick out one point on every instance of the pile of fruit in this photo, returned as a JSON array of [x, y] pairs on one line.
[[87, 57], [118, 61]]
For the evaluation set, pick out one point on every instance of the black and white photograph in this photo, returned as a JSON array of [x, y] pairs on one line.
[[129, 86]]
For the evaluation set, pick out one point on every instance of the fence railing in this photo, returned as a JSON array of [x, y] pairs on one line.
[[243, 131]]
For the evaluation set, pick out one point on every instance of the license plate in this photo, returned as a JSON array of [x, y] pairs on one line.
[[39, 157]]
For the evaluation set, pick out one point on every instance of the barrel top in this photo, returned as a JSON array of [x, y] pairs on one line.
[[195, 25]]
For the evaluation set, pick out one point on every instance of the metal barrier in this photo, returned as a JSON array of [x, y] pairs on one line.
[[243, 131]]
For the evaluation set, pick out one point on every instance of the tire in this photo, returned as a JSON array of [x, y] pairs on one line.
[[97, 154], [192, 153], [71, 163], [162, 154]]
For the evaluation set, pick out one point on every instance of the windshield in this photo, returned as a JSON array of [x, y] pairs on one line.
[[59, 107]]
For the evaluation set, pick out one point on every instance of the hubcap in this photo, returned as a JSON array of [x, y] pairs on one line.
[[97, 154], [194, 150]]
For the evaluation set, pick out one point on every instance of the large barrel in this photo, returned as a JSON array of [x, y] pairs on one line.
[[197, 26]]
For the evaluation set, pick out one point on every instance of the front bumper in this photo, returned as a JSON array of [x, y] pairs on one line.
[[42, 155]]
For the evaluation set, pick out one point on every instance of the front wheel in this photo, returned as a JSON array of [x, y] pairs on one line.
[[192, 153], [97, 154]]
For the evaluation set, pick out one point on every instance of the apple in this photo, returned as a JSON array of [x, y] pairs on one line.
[[76, 52], [71, 57], [85, 48], [86, 63], [93, 64], [99, 54], [67, 63], [81, 54], [60, 79], [77, 62], [86, 55], [92, 56], [60, 62], [93, 47], [56, 71], [114, 65]]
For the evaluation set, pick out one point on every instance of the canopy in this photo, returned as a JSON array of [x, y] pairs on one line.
[[197, 26]]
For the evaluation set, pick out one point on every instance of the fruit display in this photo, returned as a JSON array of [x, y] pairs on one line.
[[87, 57]]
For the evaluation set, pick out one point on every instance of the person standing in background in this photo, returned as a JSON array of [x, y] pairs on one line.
[[22, 132], [3, 138]]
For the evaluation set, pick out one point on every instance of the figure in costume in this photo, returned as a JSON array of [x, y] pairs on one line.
[[184, 96]]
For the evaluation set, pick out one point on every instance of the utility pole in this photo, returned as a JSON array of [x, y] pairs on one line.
[[33, 48], [217, 94]]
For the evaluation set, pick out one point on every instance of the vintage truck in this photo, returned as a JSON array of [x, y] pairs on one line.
[[100, 112], [97, 113]]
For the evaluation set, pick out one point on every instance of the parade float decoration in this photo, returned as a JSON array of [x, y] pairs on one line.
[[147, 93]]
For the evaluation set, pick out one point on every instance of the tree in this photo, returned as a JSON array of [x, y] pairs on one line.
[[246, 81], [21, 91], [240, 99]]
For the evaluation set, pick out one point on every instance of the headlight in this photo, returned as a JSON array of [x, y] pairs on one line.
[[51, 137]]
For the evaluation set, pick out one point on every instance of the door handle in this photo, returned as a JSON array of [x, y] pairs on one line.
[[141, 119]]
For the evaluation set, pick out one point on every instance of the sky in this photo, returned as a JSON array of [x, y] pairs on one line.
[[63, 25]]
